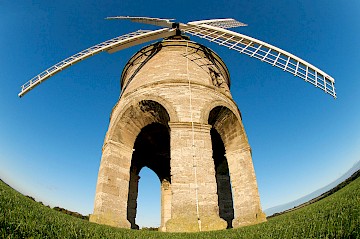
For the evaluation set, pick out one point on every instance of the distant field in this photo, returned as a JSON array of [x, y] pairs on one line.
[[336, 216]]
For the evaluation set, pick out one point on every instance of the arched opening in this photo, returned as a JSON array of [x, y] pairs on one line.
[[148, 201], [225, 201], [152, 150], [222, 175]]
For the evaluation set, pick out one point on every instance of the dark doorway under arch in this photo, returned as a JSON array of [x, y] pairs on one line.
[[225, 200], [152, 150]]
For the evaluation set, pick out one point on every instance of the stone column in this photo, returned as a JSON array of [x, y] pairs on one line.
[[132, 198], [226, 208], [165, 204], [112, 187], [191, 150], [246, 198]]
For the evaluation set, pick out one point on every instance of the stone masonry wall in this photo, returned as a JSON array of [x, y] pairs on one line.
[[188, 81]]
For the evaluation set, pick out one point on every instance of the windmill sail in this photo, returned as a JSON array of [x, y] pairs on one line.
[[112, 45], [214, 30], [266, 53], [145, 20], [222, 23]]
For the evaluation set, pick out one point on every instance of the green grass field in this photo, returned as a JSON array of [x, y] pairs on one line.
[[336, 216]]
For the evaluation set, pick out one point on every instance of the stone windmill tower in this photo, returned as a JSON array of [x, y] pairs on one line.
[[176, 116]]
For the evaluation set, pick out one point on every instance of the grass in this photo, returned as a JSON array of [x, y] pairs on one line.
[[336, 216]]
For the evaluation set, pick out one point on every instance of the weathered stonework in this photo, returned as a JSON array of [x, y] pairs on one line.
[[176, 116]]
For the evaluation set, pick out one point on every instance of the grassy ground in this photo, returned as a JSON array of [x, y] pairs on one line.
[[337, 216]]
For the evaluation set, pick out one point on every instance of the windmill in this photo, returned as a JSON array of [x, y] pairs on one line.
[[176, 116]]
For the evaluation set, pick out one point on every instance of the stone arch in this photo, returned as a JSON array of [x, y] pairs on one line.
[[225, 128], [246, 201], [222, 176], [119, 109], [151, 150], [229, 126], [116, 178], [205, 113], [146, 109]]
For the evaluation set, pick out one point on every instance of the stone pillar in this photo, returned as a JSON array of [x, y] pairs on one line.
[[132, 198], [112, 187], [226, 209], [244, 187], [165, 204], [191, 148]]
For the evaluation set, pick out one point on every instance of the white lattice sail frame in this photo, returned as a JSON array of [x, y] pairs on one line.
[[214, 30], [112, 45], [266, 53]]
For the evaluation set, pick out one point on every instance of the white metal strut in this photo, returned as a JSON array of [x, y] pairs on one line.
[[146, 20]]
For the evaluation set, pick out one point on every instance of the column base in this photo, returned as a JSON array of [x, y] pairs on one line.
[[135, 226], [248, 220], [110, 220], [162, 229], [186, 224]]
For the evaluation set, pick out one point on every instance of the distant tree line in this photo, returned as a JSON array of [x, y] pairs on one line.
[[63, 210], [74, 214], [150, 228]]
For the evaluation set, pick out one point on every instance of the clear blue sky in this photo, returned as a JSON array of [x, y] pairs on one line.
[[301, 138]]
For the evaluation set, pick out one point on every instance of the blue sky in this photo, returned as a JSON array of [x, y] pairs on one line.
[[301, 138]]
